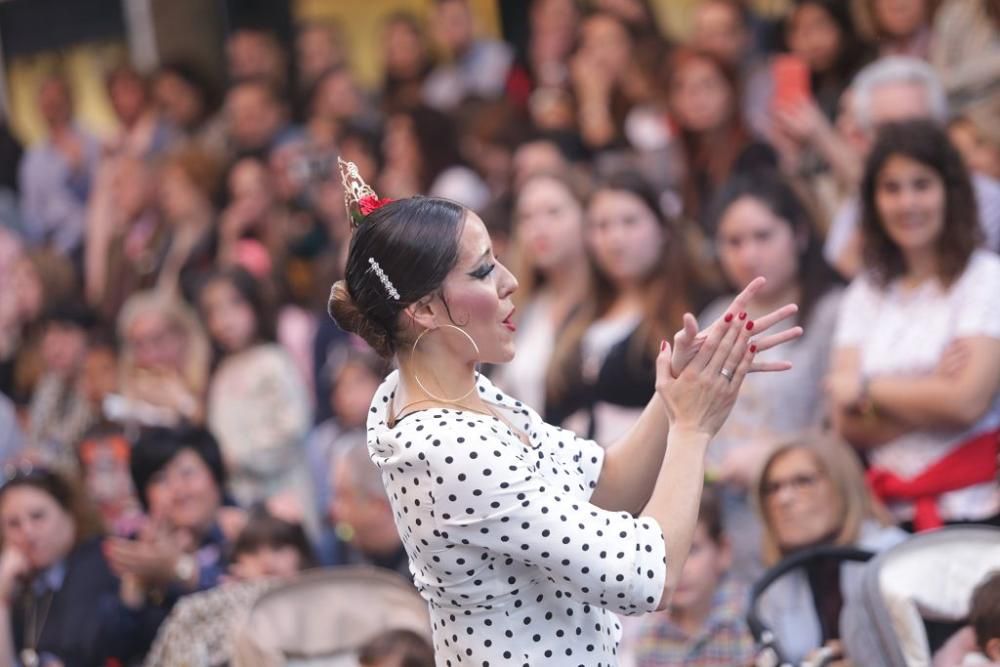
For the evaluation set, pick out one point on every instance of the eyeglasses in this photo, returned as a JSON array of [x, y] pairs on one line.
[[798, 483]]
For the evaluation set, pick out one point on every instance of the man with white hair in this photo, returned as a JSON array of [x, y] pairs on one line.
[[889, 90]]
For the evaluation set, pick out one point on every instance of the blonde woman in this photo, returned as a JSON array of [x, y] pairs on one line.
[[811, 491], [164, 362]]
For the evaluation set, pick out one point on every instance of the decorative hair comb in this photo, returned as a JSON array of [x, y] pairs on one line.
[[359, 198]]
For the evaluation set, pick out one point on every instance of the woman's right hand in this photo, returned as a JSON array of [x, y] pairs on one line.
[[701, 397], [14, 566]]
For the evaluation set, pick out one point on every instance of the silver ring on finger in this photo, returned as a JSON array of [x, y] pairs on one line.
[[726, 373]]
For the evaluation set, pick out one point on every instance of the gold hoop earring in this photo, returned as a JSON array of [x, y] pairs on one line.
[[416, 377]]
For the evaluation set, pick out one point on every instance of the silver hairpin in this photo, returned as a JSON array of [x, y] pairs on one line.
[[386, 283]]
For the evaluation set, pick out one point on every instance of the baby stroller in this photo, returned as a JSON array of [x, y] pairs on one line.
[[322, 618], [924, 582]]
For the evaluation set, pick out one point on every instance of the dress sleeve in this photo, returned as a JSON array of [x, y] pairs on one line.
[[978, 314], [493, 495], [857, 312]]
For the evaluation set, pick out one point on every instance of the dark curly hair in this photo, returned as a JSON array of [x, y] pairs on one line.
[[927, 143]]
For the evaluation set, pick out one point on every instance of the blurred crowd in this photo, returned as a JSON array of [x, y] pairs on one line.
[[179, 416]]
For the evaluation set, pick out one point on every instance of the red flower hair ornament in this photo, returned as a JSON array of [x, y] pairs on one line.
[[359, 198]]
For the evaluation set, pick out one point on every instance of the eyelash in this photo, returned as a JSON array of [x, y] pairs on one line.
[[484, 271]]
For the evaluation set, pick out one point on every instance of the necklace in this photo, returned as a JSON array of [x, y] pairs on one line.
[[33, 630]]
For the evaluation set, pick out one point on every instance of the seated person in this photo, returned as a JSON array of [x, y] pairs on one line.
[[361, 513], [267, 549], [58, 597], [811, 492], [705, 624]]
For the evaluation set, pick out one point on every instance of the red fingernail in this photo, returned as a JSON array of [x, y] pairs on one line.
[[663, 345], [729, 317], [743, 316], [750, 325], [753, 348]]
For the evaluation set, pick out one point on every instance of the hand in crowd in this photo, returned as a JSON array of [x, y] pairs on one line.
[[844, 389], [152, 558], [14, 567], [164, 387]]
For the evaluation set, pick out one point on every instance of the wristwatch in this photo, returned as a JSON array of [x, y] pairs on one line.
[[185, 568]]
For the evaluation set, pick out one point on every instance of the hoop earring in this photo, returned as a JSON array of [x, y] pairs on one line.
[[416, 377]]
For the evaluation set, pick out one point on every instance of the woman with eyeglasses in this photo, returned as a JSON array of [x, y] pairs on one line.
[[58, 597], [810, 492]]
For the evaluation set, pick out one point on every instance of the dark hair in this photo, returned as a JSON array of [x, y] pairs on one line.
[[266, 530], [409, 648], [773, 190], [157, 447], [714, 159], [984, 610], [436, 135], [250, 290], [710, 515], [415, 243], [852, 52], [927, 143], [665, 294], [195, 78], [67, 492]]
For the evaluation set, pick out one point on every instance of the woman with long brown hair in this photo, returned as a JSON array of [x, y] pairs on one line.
[[602, 374]]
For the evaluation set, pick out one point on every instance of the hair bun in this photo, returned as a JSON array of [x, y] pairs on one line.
[[348, 316]]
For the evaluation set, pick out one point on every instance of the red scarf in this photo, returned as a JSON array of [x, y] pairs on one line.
[[973, 462]]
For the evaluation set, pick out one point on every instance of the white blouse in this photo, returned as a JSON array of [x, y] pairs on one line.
[[904, 332], [516, 565]]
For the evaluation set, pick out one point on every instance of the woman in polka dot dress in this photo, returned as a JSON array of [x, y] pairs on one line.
[[524, 539]]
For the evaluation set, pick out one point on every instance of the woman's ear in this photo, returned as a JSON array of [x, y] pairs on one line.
[[422, 314]]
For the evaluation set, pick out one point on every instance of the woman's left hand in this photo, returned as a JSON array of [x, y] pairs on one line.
[[689, 340]]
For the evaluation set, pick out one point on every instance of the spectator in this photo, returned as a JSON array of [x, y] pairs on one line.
[[809, 492], [976, 135], [267, 550], [705, 624], [57, 595], [475, 66], [602, 368], [256, 118], [822, 34], [724, 29], [187, 100], [901, 27], [924, 401], [143, 132], [554, 277], [164, 362], [762, 228], [362, 514], [320, 46], [56, 174], [897, 89], [539, 78], [127, 238], [406, 62], [422, 156], [712, 137], [255, 53], [59, 413], [335, 102], [188, 184], [353, 384], [104, 461], [181, 548], [966, 50], [258, 405]]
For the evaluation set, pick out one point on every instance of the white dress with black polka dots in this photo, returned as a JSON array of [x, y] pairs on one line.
[[516, 565]]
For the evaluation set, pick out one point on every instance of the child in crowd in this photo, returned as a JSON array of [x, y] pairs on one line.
[[704, 625]]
